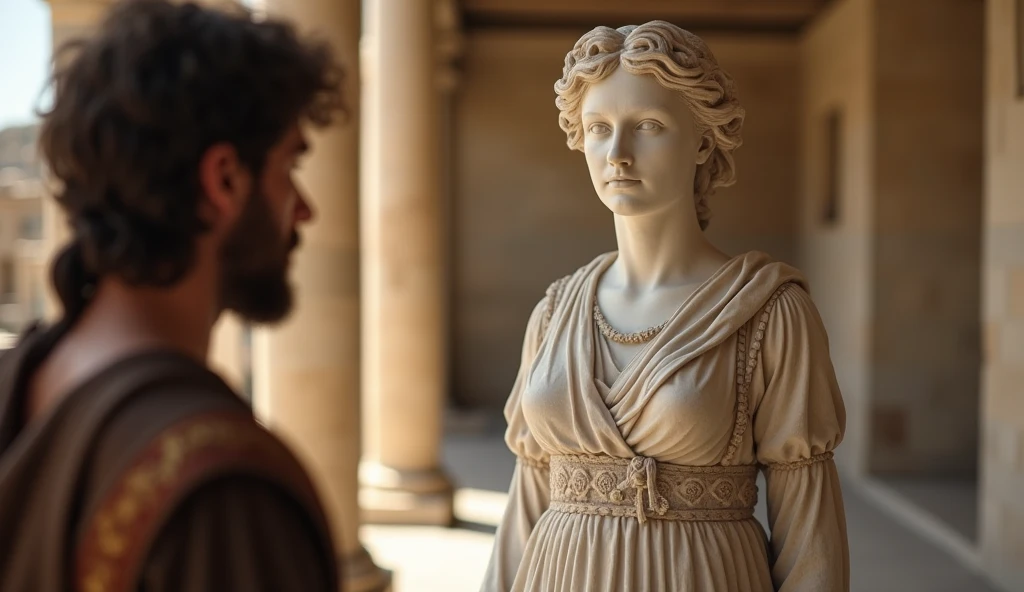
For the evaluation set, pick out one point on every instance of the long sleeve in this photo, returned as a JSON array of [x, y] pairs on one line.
[[799, 421], [528, 493], [238, 533]]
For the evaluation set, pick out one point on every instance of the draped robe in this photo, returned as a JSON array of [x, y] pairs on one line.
[[739, 376]]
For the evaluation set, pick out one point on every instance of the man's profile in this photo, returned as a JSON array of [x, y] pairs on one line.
[[125, 463]]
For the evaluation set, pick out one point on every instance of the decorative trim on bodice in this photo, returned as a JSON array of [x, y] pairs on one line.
[[746, 361], [643, 488]]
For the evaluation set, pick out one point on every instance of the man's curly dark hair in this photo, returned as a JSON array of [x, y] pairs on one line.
[[137, 107]]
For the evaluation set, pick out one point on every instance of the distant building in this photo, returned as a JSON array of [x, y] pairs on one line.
[[22, 268]]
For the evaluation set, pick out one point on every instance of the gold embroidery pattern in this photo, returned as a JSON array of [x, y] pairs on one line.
[[120, 531], [746, 361], [605, 486]]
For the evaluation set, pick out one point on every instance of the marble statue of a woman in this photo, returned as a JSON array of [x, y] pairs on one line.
[[656, 380]]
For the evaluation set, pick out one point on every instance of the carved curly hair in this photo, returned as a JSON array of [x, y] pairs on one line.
[[138, 106], [679, 61]]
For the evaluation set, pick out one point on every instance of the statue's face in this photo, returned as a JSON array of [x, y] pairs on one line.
[[641, 144]]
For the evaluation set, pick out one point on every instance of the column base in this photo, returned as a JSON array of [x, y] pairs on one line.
[[395, 496], [361, 574]]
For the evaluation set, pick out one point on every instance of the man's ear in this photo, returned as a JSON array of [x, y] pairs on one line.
[[225, 183], [706, 148]]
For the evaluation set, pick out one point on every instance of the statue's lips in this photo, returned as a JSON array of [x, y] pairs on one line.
[[623, 183]]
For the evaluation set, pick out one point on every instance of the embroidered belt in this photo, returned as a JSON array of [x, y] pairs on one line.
[[644, 488]]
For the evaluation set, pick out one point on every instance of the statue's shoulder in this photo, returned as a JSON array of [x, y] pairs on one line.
[[555, 294]]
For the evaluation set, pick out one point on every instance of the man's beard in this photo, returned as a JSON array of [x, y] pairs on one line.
[[254, 265]]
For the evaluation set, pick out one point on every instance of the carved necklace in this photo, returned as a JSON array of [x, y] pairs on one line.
[[625, 338]]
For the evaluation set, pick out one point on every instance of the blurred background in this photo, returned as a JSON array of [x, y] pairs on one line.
[[883, 152]]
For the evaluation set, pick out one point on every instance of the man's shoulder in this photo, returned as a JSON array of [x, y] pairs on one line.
[[200, 446], [182, 424], [132, 501], [146, 398]]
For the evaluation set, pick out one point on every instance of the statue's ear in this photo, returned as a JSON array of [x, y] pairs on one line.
[[706, 148]]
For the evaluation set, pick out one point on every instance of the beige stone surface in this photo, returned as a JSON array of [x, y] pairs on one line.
[[1001, 544], [837, 73], [1000, 447], [837, 63], [929, 128], [1011, 342], [403, 269], [307, 374], [228, 356], [927, 227], [7, 340], [1004, 391], [1005, 118], [1004, 243], [995, 302], [1019, 455], [1015, 292], [896, 276]]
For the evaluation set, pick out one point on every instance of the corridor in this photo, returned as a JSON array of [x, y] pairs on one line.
[[885, 556]]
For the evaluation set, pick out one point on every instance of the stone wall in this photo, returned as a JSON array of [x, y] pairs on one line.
[[1002, 487], [836, 56], [891, 171], [926, 258], [22, 275]]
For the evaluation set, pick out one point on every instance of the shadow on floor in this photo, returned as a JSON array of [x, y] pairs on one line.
[[953, 501]]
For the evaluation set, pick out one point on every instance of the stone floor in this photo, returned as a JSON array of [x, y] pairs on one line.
[[953, 501], [885, 556]]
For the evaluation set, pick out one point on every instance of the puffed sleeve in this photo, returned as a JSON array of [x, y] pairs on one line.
[[798, 422], [528, 493]]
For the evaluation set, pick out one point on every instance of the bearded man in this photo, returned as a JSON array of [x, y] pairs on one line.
[[125, 463]]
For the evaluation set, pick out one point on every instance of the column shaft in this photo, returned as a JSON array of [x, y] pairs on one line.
[[403, 270], [306, 372]]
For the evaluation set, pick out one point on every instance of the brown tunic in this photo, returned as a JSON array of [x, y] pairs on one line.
[[152, 475]]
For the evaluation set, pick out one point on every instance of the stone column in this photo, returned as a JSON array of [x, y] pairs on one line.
[[227, 352], [306, 371], [70, 20], [404, 359], [1001, 505]]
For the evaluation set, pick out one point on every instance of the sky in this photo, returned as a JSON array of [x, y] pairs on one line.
[[24, 58]]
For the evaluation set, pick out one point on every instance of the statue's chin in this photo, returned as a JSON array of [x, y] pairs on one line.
[[634, 204]]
